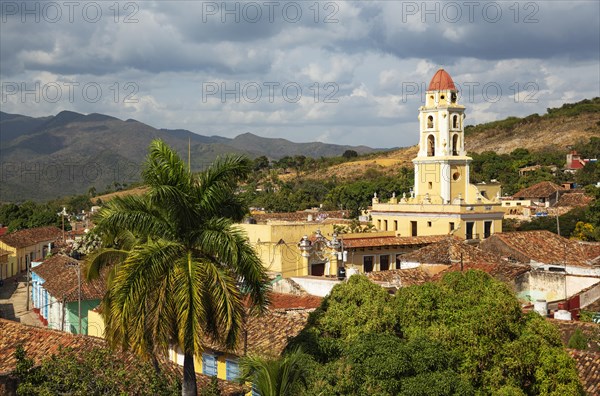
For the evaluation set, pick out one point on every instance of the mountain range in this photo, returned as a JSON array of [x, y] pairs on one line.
[[49, 157]]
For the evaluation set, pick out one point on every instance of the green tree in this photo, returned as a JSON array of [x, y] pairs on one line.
[[465, 334], [578, 340], [184, 282], [350, 154], [89, 372], [285, 376]]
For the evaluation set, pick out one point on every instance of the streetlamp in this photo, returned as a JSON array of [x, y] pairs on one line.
[[76, 264]]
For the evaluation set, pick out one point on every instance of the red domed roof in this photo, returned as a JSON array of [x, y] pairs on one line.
[[441, 81]]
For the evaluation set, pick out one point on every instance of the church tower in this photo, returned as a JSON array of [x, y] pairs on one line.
[[441, 166], [442, 201]]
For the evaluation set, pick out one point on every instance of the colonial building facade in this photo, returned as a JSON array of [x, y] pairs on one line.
[[443, 201]]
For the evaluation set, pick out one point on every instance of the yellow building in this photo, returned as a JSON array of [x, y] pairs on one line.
[[277, 246], [442, 200], [25, 246]]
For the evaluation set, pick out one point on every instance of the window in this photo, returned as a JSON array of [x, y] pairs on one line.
[[430, 185], [430, 146], [469, 231], [429, 224], [455, 144], [379, 224], [430, 122], [232, 368], [453, 97], [209, 364], [395, 225], [455, 121], [368, 264], [451, 226], [385, 225], [413, 228], [487, 229], [384, 262], [399, 261]]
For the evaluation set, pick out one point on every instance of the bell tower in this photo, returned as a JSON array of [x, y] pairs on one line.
[[441, 166]]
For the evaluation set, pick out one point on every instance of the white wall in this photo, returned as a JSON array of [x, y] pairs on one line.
[[316, 286]]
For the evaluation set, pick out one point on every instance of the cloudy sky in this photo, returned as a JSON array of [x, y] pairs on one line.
[[350, 72]]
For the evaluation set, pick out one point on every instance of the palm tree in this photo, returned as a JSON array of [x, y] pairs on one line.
[[182, 281], [275, 377]]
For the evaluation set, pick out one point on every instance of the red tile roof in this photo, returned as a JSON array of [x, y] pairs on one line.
[[588, 368], [377, 241], [574, 200], [400, 278], [282, 301], [267, 334], [544, 247], [452, 251], [41, 343], [31, 236], [540, 190], [441, 80], [61, 280]]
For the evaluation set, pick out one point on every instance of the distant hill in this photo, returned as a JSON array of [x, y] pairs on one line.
[[50, 157]]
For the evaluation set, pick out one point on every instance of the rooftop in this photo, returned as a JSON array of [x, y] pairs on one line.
[[574, 200], [368, 240], [546, 247], [268, 333], [401, 277], [60, 279], [540, 190], [459, 255], [31, 236], [441, 81], [588, 368]]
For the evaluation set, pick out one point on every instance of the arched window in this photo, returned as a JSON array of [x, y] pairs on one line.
[[455, 144], [453, 97], [455, 121], [430, 122], [430, 146]]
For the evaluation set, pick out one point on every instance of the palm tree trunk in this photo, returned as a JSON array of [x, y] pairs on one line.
[[189, 376]]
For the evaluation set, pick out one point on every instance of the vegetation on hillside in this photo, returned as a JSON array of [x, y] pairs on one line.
[[465, 334], [566, 110]]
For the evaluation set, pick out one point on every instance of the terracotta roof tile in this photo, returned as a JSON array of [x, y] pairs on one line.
[[539, 190], [31, 236], [588, 368], [451, 251], [574, 200], [545, 247], [400, 277], [61, 281], [375, 241], [279, 301], [267, 334]]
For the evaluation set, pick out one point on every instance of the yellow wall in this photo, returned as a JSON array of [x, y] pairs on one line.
[[438, 223], [16, 258], [95, 324], [277, 244]]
